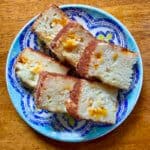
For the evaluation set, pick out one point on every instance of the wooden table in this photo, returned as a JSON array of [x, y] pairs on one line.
[[133, 134]]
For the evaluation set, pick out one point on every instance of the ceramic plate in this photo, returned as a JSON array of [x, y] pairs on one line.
[[60, 126]]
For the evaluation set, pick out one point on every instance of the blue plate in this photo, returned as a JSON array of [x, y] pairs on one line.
[[60, 126]]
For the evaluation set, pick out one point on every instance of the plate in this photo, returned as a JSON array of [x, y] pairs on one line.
[[62, 127]]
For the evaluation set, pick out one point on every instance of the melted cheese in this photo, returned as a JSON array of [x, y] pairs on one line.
[[70, 44], [37, 69], [67, 87], [97, 112], [47, 38], [115, 56], [98, 62], [23, 59], [99, 54], [72, 36], [62, 22], [96, 66]]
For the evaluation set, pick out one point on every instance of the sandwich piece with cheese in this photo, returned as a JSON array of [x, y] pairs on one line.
[[71, 42], [30, 63], [78, 97], [93, 101], [111, 64], [52, 91], [49, 23]]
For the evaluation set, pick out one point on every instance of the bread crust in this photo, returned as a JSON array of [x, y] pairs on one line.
[[35, 24], [72, 104], [55, 42], [83, 65], [37, 90], [119, 48]]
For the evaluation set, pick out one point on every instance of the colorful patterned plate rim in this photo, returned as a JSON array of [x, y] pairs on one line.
[[61, 126]]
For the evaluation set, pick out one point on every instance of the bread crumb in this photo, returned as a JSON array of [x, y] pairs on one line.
[[90, 102]]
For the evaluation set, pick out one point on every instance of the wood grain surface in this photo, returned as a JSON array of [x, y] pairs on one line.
[[133, 134]]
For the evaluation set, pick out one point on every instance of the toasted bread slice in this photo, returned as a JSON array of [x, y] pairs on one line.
[[52, 91], [93, 101], [71, 42], [49, 23], [30, 63], [111, 64]]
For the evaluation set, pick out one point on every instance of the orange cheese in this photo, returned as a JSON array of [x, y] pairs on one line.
[[23, 59], [62, 22], [96, 66], [99, 54], [97, 112], [70, 44], [37, 69], [67, 87], [115, 56]]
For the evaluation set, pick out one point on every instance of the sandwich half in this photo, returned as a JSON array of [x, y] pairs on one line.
[[93, 101], [30, 63], [71, 42], [111, 64], [52, 91], [49, 23]]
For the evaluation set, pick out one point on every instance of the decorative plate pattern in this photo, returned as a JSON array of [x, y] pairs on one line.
[[62, 126]]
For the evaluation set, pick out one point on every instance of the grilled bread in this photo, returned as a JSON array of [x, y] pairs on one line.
[[49, 23], [109, 63], [52, 91], [30, 63], [93, 101]]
